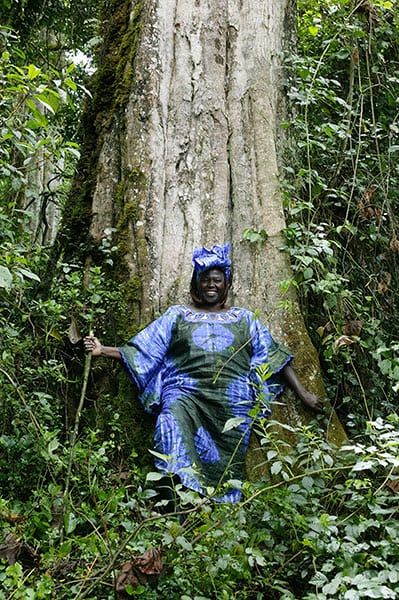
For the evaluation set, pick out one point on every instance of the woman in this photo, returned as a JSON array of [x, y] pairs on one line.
[[206, 371]]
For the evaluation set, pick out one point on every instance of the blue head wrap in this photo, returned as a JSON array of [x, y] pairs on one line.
[[211, 258]]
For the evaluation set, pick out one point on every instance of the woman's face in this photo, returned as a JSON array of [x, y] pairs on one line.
[[212, 286]]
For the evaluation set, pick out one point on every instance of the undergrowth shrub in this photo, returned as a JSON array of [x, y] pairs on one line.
[[325, 527]]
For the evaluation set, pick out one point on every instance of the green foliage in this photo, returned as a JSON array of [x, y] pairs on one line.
[[31, 98], [32, 368], [324, 525], [48, 27], [341, 193], [255, 237], [324, 528]]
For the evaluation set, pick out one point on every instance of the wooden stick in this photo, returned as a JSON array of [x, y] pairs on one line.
[[75, 431]]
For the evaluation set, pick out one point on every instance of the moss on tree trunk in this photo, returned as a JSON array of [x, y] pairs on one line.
[[180, 148]]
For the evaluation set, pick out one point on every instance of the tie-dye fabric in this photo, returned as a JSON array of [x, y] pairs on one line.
[[195, 371]]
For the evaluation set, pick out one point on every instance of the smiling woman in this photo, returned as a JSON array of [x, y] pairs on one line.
[[196, 368], [212, 287]]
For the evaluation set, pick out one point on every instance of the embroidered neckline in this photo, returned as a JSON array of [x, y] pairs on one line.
[[232, 314]]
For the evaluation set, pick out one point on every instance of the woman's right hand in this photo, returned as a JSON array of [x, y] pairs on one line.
[[92, 344]]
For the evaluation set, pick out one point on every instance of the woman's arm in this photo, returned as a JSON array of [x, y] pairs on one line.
[[307, 398], [93, 345]]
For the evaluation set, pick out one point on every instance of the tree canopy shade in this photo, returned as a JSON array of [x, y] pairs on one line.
[[48, 27]]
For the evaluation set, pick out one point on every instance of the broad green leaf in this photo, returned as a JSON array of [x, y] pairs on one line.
[[363, 465], [33, 72], [232, 423], [71, 84], [138, 590], [318, 579], [28, 274], [313, 30], [235, 483], [65, 549], [52, 446], [159, 455], [332, 587], [307, 482], [352, 595], [47, 102], [271, 454], [276, 468], [154, 476], [70, 522], [5, 278], [73, 151], [183, 543]]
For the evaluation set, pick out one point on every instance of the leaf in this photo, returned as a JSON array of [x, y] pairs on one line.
[[74, 334], [45, 101], [65, 549], [154, 476], [70, 522], [308, 273], [164, 457], [52, 446], [28, 274], [71, 84], [5, 278], [183, 543], [235, 483], [318, 579], [343, 340], [256, 556], [331, 588], [352, 595], [276, 468], [328, 460], [233, 423], [253, 236], [307, 482], [363, 465], [55, 334], [33, 72], [313, 30], [73, 151]]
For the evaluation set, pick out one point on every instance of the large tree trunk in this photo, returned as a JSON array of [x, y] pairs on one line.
[[181, 150]]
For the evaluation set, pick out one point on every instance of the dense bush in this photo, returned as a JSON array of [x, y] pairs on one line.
[[341, 195]]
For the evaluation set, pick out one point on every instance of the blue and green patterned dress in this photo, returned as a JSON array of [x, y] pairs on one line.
[[196, 371]]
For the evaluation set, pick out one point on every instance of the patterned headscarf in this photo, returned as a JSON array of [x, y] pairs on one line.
[[211, 258]]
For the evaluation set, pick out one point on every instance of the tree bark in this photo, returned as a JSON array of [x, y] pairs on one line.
[[183, 151]]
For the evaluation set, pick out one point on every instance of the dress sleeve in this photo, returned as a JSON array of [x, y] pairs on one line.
[[268, 358], [144, 355]]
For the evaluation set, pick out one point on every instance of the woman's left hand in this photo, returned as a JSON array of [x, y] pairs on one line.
[[312, 401]]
